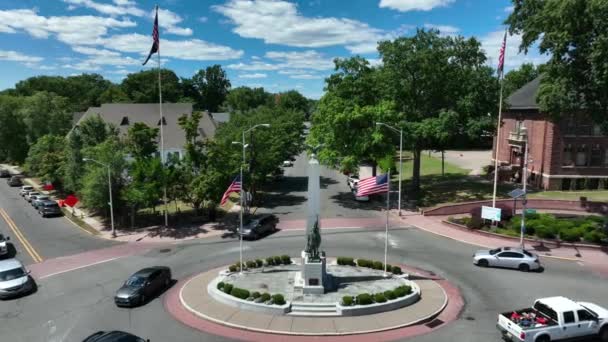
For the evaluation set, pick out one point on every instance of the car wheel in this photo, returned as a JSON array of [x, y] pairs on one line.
[[524, 267], [604, 334], [543, 338], [483, 263]]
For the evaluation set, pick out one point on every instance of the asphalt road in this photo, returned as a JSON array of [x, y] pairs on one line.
[[71, 305], [40, 237]]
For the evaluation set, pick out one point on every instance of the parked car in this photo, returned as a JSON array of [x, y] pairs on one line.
[[287, 163], [507, 257], [143, 285], [38, 199], [25, 189], [4, 173], [4, 245], [352, 182], [555, 319], [28, 196], [259, 227], [14, 279], [113, 336], [49, 208], [14, 181]]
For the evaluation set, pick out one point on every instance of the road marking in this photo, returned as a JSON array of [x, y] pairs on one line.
[[80, 267], [28, 247]]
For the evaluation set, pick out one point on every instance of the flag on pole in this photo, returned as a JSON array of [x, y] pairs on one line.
[[501, 57], [235, 186], [373, 185], [156, 42]]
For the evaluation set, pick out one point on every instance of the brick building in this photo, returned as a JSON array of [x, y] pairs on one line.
[[571, 154]]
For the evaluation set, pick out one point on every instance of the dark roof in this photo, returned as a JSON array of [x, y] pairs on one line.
[[525, 97], [144, 272], [112, 336], [76, 116], [220, 117]]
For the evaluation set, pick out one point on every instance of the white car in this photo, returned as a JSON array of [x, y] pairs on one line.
[[287, 163], [29, 196], [507, 257], [353, 182], [25, 189], [555, 319], [14, 279], [4, 245]]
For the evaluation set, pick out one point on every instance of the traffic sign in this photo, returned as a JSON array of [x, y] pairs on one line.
[[490, 213]]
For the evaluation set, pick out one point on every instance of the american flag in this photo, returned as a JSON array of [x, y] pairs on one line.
[[372, 185], [235, 186], [501, 57], [156, 42]]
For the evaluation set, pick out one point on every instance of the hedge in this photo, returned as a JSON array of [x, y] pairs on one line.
[[255, 295], [270, 261], [396, 270], [285, 260], [345, 261], [277, 260], [228, 288], [232, 268], [239, 293], [403, 290], [390, 295], [364, 299], [548, 226], [363, 263], [220, 285], [259, 262], [379, 298], [265, 297], [251, 264], [377, 265], [278, 299], [347, 301]]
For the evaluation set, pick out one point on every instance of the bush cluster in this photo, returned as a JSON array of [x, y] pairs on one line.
[[403, 290], [376, 265], [347, 301], [257, 263], [277, 299], [227, 288], [220, 285], [548, 226], [239, 293], [381, 297], [278, 260], [364, 299], [345, 261]]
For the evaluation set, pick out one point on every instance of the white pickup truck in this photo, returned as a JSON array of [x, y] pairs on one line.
[[555, 319]]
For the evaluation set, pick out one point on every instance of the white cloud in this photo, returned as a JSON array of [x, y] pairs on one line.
[[443, 29], [14, 56], [279, 22], [193, 49], [121, 7], [71, 30], [120, 72], [124, 2], [492, 42], [309, 59], [509, 9], [203, 19], [169, 20], [256, 75], [374, 61], [93, 51], [414, 5], [254, 66], [306, 77]]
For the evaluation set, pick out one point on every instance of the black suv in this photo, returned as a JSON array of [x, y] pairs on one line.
[[113, 336], [4, 173], [14, 181], [260, 226], [49, 208]]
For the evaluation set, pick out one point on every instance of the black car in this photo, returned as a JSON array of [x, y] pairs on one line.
[[49, 208], [113, 336], [143, 285], [4, 173], [260, 226], [14, 181]]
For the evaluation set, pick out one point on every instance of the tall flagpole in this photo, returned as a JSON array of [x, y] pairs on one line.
[[162, 140], [388, 207], [502, 73]]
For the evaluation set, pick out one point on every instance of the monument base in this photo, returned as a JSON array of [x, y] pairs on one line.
[[313, 275]]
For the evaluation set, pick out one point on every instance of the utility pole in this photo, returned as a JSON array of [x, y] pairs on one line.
[[525, 200]]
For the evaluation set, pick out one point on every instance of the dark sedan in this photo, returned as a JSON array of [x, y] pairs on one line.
[[259, 227], [113, 336], [143, 285], [49, 208]]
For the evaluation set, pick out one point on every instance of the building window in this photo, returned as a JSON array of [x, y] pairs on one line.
[[592, 183], [567, 159], [580, 184], [124, 121], [596, 155], [581, 155], [566, 183], [597, 130], [584, 127]]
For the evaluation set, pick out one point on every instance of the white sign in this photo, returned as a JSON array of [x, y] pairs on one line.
[[490, 213]]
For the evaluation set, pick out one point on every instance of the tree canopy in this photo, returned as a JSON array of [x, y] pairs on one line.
[[517, 78], [211, 88], [142, 87], [245, 98]]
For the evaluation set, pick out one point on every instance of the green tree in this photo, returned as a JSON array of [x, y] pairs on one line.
[[141, 141], [245, 99], [575, 36], [142, 87], [45, 159], [212, 85], [354, 80], [13, 131], [46, 113], [93, 131], [293, 100], [517, 78], [113, 94]]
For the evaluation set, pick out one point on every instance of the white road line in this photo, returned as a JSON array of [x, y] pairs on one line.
[[79, 267]]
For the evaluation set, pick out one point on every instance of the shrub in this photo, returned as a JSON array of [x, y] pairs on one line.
[[251, 264], [377, 265], [270, 261], [346, 261], [239, 293], [379, 298], [402, 291], [347, 300], [277, 260], [545, 232], [475, 223], [595, 236], [232, 268], [259, 262], [228, 288], [364, 299], [390, 295], [570, 235], [220, 285], [285, 260], [256, 295], [389, 268], [396, 270], [278, 299], [265, 297], [363, 263]]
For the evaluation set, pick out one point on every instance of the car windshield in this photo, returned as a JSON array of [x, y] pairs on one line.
[[51, 205], [12, 274], [494, 251], [135, 281], [591, 311]]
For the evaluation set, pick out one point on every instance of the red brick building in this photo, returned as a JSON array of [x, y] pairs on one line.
[[571, 154]]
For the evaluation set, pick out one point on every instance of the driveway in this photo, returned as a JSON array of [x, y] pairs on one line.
[[470, 160]]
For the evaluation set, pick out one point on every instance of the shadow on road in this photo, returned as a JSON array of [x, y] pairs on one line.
[[347, 200]]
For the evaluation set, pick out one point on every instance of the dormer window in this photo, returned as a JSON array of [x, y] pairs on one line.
[[124, 121], [164, 122]]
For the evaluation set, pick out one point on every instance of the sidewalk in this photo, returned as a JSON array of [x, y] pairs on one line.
[[596, 259]]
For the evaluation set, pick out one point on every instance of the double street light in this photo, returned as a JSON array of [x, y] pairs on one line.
[[400, 131], [241, 193], [109, 190]]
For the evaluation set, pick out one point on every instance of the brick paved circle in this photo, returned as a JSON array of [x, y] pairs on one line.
[[449, 313]]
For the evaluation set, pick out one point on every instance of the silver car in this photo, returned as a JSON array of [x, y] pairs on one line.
[[39, 199], [508, 257], [25, 189], [14, 279], [28, 196]]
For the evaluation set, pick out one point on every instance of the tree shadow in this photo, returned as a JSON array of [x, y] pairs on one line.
[[288, 184], [326, 181], [347, 200], [273, 200]]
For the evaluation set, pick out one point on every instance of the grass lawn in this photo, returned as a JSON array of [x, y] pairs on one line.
[[428, 166], [595, 195]]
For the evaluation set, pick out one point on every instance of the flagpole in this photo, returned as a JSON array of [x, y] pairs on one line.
[[502, 72], [162, 140], [388, 197]]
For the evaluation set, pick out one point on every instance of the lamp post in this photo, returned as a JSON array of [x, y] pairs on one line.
[[241, 193], [400, 131], [109, 190]]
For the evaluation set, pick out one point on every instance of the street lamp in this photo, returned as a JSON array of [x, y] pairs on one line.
[[400, 131], [241, 193], [109, 190]]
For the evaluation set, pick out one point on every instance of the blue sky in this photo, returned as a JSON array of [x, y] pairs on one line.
[[276, 44]]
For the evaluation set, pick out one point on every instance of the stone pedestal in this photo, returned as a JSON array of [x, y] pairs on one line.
[[314, 275]]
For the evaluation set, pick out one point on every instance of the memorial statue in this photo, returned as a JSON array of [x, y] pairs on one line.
[[313, 243]]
